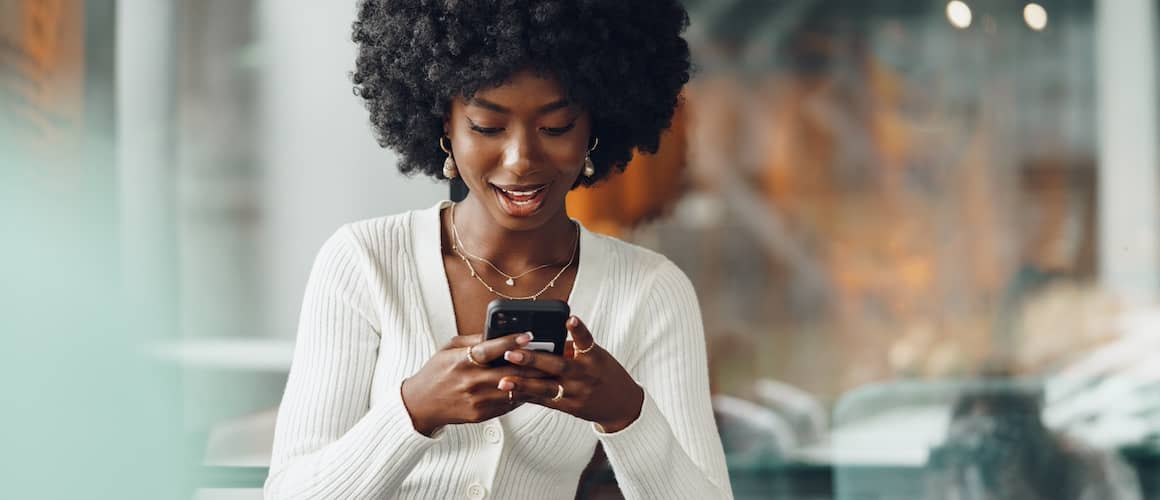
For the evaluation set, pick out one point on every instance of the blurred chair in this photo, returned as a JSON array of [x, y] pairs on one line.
[[751, 433], [804, 413], [977, 439], [997, 446]]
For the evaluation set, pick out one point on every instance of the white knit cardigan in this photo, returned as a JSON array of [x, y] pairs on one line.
[[377, 307]]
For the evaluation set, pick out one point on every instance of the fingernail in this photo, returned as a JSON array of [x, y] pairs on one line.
[[573, 322], [513, 356], [525, 338], [506, 385]]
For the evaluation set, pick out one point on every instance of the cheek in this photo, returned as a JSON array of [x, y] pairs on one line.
[[566, 159], [475, 155], [566, 155]]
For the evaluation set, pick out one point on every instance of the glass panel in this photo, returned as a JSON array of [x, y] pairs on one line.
[[918, 259], [924, 234]]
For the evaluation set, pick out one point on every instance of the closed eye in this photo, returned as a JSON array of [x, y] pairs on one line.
[[489, 131], [559, 130], [480, 129]]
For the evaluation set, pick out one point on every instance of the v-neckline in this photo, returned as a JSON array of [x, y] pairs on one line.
[[436, 288]]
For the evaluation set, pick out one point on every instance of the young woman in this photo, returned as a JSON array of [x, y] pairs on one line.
[[391, 394]]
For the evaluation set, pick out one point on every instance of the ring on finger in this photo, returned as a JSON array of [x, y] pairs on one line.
[[559, 393], [511, 398], [584, 351], [471, 359]]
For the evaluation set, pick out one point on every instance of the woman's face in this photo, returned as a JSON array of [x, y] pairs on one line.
[[520, 148]]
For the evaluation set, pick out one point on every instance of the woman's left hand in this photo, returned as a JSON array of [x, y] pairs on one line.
[[595, 386]]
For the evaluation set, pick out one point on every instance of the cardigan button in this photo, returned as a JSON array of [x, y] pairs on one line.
[[476, 492], [492, 434]]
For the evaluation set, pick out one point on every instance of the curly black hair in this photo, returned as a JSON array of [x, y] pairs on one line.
[[624, 61]]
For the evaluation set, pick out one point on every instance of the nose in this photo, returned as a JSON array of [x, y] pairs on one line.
[[520, 153]]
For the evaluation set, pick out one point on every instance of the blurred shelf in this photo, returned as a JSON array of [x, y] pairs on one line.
[[232, 477], [236, 354]]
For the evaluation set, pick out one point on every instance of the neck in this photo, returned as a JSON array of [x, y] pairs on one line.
[[512, 250]]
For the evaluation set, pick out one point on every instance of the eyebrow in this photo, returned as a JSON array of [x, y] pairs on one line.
[[547, 108]]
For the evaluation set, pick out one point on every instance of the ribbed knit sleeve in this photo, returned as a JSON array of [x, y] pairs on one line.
[[329, 442], [672, 450]]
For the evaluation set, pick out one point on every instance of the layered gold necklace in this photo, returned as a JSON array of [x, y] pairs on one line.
[[457, 247]]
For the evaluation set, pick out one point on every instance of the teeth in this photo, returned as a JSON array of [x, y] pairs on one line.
[[522, 193]]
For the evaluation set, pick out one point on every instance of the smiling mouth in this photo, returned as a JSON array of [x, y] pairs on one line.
[[523, 195], [522, 200]]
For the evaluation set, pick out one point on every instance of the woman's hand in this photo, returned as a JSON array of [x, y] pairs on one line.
[[450, 389], [595, 386]]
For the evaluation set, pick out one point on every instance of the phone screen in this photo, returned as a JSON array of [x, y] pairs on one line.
[[544, 318]]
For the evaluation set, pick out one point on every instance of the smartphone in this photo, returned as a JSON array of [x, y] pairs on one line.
[[544, 318]]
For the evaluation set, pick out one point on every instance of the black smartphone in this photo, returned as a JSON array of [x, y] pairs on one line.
[[544, 318]]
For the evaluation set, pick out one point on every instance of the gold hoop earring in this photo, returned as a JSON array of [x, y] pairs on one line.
[[450, 169], [589, 167]]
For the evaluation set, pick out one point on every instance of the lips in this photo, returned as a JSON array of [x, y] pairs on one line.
[[521, 192], [521, 200]]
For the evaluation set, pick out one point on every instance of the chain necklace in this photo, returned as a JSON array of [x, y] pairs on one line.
[[511, 280], [551, 283]]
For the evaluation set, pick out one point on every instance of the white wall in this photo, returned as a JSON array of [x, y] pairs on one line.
[[146, 153], [1129, 208], [321, 164]]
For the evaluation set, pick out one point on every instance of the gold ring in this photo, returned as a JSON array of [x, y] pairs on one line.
[[584, 351], [471, 359], [559, 393]]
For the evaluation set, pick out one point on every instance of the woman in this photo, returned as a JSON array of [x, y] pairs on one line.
[[390, 394]]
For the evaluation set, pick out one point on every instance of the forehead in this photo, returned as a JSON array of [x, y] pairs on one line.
[[524, 90]]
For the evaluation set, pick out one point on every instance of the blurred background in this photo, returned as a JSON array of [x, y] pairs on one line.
[[925, 236]]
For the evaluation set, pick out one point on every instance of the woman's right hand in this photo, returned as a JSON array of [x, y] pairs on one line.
[[450, 389]]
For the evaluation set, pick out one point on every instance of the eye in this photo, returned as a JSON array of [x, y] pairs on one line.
[[559, 130], [480, 129], [488, 131]]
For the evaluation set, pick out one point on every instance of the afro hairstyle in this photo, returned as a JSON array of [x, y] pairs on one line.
[[624, 61]]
